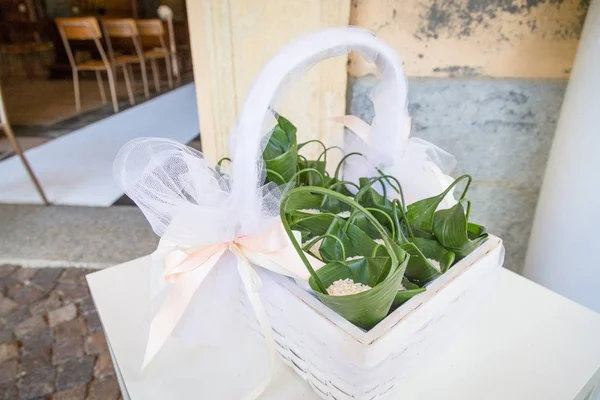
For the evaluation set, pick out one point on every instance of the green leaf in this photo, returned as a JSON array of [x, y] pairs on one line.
[[369, 270], [361, 222], [307, 201], [435, 251], [283, 137], [333, 205], [410, 291], [281, 152], [284, 166], [365, 309], [419, 269], [356, 242], [420, 213], [451, 230], [396, 254], [311, 178], [316, 224], [474, 230]]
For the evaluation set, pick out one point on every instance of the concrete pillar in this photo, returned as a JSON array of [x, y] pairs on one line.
[[564, 247]]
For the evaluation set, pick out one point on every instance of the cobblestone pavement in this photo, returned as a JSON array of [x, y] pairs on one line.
[[51, 341]]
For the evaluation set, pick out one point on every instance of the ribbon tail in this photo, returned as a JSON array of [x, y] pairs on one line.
[[252, 284], [172, 309], [278, 255], [356, 125], [288, 257]]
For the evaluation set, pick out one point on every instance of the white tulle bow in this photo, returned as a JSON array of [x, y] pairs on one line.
[[199, 217]]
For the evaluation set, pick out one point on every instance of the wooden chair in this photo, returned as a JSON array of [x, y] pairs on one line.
[[126, 28], [153, 28], [87, 28]]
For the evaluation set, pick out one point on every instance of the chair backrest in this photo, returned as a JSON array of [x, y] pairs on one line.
[[121, 27], [150, 27], [84, 28]]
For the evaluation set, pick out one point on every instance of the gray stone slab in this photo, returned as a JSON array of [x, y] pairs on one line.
[[73, 236], [500, 130]]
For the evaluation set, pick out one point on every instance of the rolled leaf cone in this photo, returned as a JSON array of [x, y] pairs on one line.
[[365, 309], [344, 234]]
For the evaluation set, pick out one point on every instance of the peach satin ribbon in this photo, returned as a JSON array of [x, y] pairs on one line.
[[188, 267]]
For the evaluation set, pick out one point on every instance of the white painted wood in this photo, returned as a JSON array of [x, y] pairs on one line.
[[520, 342], [76, 169], [349, 363]]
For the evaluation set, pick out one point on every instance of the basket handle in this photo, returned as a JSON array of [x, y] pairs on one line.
[[389, 129]]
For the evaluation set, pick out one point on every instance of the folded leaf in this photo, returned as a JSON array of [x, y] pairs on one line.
[[333, 205], [420, 213], [316, 224], [451, 230], [361, 222], [369, 270], [311, 178], [283, 137], [410, 290], [356, 242], [419, 269], [281, 153], [307, 201], [435, 251]]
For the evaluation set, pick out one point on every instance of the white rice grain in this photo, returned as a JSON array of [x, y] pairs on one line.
[[345, 287], [436, 264]]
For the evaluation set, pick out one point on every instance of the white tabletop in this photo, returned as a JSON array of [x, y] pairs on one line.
[[524, 342]]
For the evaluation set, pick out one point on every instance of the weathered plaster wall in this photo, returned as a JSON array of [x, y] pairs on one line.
[[500, 38], [500, 131]]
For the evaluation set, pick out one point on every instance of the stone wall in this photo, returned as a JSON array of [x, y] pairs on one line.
[[499, 130]]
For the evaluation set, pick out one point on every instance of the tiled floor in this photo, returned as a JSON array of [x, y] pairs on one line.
[[51, 340]]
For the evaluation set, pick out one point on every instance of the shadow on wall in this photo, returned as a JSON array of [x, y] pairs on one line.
[[499, 130]]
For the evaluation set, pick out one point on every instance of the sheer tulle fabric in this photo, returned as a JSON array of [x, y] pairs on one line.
[[191, 203]]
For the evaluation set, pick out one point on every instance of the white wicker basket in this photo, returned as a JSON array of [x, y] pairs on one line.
[[341, 361]]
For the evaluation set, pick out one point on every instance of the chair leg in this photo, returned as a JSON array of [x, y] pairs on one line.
[[113, 90], [128, 85], [76, 88], [115, 74], [145, 79], [169, 73], [13, 140], [176, 70], [101, 87], [155, 74], [131, 77]]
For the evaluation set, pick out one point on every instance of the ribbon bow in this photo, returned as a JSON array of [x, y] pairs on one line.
[[188, 267], [198, 210]]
